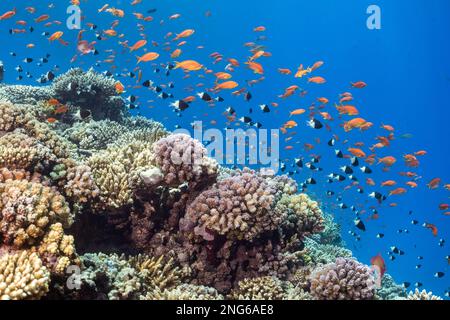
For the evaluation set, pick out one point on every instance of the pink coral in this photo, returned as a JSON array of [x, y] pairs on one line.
[[346, 279], [238, 207], [183, 159]]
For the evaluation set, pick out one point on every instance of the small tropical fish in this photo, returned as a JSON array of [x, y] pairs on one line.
[[55, 36], [138, 45], [149, 56], [359, 84], [188, 65]]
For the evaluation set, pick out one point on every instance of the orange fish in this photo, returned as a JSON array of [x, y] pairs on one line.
[[259, 29], [8, 14], [284, 71], [411, 184], [61, 109], [186, 33], [256, 67], [317, 65], [387, 161], [51, 120], [434, 183], [420, 153], [53, 102], [222, 75], [149, 56], [387, 127], [119, 87], [432, 227], [188, 65], [444, 206], [348, 110], [297, 112], [378, 261], [370, 182], [226, 85], [354, 123], [175, 54], [357, 152], [317, 80], [42, 18], [290, 124], [323, 100], [57, 35], [138, 45], [398, 191], [388, 183], [358, 84]]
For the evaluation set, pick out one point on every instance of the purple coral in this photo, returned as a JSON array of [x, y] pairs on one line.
[[346, 279], [238, 207], [183, 159]]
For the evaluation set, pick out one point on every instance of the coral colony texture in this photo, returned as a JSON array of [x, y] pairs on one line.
[[102, 205]]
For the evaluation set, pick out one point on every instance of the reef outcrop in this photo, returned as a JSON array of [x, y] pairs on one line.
[[103, 205]]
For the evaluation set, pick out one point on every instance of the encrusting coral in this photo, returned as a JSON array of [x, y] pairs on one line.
[[175, 224]]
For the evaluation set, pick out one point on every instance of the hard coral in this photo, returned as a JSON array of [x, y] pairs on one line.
[[345, 279], [183, 159], [263, 288], [90, 91], [27, 209], [22, 276]]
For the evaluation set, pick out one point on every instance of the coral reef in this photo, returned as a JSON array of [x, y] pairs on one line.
[[345, 279], [144, 214]]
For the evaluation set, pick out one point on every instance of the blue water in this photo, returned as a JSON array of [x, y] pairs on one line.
[[405, 65]]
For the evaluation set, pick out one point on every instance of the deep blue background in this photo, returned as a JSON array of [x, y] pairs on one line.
[[406, 65]]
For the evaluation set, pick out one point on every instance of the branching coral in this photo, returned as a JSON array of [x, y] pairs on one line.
[[346, 279], [19, 151], [302, 215], [27, 209], [80, 185], [390, 290], [116, 277], [57, 250], [184, 292], [324, 253], [22, 276], [263, 288], [116, 173], [422, 295], [25, 94], [90, 91]]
